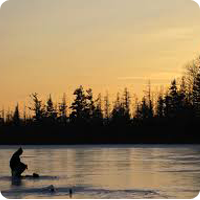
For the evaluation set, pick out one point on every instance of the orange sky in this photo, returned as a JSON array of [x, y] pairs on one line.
[[53, 46]]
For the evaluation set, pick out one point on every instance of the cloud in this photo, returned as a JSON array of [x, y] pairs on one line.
[[132, 78], [160, 76], [142, 78]]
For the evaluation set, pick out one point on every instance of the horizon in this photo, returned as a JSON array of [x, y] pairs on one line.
[[52, 47]]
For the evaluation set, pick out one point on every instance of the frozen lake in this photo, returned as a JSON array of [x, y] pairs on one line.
[[123, 171]]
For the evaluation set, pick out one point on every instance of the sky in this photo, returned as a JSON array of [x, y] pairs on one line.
[[53, 46]]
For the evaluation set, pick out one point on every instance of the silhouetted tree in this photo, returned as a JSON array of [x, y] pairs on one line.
[[63, 110], [160, 107], [98, 113], [126, 104], [174, 99], [138, 113], [142, 112], [106, 108], [192, 70], [16, 117], [79, 106], [121, 109], [90, 107], [151, 112], [37, 108], [149, 101], [185, 105], [51, 113], [167, 107], [183, 92], [117, 112]]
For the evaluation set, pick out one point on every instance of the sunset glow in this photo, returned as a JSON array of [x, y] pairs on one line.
[[53, 46]]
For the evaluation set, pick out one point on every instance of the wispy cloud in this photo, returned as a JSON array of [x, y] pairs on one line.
[[141, 78], [162, 76], [132, 78]]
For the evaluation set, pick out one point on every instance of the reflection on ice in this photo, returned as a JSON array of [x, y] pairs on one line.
[[140, 171]]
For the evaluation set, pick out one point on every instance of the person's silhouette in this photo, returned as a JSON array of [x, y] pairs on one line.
[[17, 167]]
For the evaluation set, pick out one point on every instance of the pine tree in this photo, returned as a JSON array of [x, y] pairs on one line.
[[174, 99], [117, 112], [106, 108], [167, 105], [16, 116], [142, 110], [79, 106], [126, 104], [37, 108], [149, 101], [121, 109], [160, 107], [98, 114], [90, 104], [51, 113], [63, 109]]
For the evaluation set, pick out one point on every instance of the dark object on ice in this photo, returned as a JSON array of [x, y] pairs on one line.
[[70, 193], [35, 175], [51, 188], [17, 167]]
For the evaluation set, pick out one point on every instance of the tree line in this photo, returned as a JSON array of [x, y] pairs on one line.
[[180, 100], [177, 106]]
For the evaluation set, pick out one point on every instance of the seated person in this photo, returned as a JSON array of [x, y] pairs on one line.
[[17, 167]]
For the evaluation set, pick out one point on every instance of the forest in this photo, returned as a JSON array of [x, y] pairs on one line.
[[172, 117]]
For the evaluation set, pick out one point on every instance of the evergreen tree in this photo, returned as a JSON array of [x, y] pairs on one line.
[[160, 107], [79, 106], [117, 110], [90, 108], [37, 108], [149, 101], [106, 108], [138, 114], [63, 109], [167, 105], [51, 113], [16, 117], [142, 110], [174, 99], [151, 112], [121, 109], [191, 76], [184, 98], [98, 114], [183, 92], [126, 104]]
